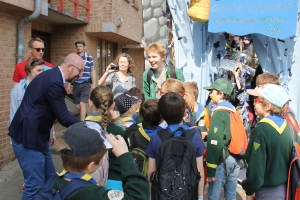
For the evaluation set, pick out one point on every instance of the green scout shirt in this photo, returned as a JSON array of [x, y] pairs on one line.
[[219, 129], [136, 185], [149, 90], [268, 156]]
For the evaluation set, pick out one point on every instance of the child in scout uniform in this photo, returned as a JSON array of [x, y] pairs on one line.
[[200, 113], [82, 150], [218, 136], [269, 149], [101, 103], [138, 92], [126, 105]]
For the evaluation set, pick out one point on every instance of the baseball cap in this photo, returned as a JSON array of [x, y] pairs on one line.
[[275, 94], [84, 139], [221, 85], [80, 42], [124, 102]]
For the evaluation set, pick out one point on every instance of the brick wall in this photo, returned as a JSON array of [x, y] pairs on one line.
[[62, 43], [8, 30]]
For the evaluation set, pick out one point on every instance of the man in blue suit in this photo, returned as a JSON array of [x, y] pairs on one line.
[[43, 102]]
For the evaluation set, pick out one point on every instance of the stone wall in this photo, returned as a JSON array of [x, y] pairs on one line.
[[155, 29]]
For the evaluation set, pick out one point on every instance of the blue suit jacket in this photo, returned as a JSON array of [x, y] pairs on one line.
[[43, 102]]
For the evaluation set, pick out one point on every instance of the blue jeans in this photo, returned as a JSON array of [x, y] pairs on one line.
[[229, 181], [36, 166], [274, 193]]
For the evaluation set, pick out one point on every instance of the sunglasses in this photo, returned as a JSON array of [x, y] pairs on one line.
[[39, 49], [256, 101], [34, 60]]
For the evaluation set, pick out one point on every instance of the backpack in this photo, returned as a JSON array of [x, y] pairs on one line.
[[176, 175], [172, 74], [293, 182], [47, 192], [238, 143], [137, 148]]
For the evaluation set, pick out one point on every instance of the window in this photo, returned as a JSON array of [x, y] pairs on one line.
[[106, 53]]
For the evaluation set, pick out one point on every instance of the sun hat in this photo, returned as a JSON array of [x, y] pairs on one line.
[[275, 94], [124, 102]]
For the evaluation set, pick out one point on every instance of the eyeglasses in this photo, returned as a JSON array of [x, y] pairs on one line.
[[39, 49], [80, 70], [256, 101]]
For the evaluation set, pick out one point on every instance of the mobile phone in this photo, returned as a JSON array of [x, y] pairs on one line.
[[114, 67]]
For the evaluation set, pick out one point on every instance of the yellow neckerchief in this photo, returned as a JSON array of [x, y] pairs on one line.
[[85, 177], [201, 115], [137, 110], [94, 118], [157, 87], [125, 119], [142, 131], [278, 129]]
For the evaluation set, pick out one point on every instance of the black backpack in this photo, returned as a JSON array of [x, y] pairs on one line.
[[176, 175], [138, 147], [48, 193]]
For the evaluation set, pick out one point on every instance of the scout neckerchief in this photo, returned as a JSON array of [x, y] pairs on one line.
[[225, 105], [96, 116], [126, 119], [200, 113], [144, 134], [26, 83], [82, 176], [276, 121]]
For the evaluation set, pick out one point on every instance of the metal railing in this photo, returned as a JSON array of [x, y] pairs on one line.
[[76, 5]]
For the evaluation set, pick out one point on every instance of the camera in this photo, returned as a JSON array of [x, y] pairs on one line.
[[114, 67]]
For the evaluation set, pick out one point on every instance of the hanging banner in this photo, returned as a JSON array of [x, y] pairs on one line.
[[274, 18]]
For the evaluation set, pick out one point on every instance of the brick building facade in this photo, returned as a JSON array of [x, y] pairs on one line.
[[113, 25]]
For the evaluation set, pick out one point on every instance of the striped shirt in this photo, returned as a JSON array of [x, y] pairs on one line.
[[88, 65]]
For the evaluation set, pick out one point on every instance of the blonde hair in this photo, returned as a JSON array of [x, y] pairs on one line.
[[191, 88], [102, 98], [267, 78], [174, 85], [275, 110], [157, 48]]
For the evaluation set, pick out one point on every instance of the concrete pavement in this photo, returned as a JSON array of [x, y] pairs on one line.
[[11, 177]]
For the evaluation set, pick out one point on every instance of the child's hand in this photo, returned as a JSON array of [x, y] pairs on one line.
[[118, 144]]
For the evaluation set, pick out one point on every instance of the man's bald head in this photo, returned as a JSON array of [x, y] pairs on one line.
[[74, 59]]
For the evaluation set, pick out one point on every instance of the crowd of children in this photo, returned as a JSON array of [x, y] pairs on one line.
[[169, 147]]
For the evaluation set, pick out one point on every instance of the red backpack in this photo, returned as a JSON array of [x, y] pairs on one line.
[[293, 183]]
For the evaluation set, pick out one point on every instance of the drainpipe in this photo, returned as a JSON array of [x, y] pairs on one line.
[[36, 13]]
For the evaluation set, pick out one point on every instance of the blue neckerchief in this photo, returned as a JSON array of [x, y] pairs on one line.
[[150, 132], [173, 127], [199, 111], [278, 120], [135, 115], [95, 114], [26, 83], [78, 176], [226, 104]]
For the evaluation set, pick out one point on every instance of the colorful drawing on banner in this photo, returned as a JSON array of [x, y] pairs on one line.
[[276, 18]]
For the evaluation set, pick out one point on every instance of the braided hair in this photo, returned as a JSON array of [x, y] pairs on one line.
[[102, 98]]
